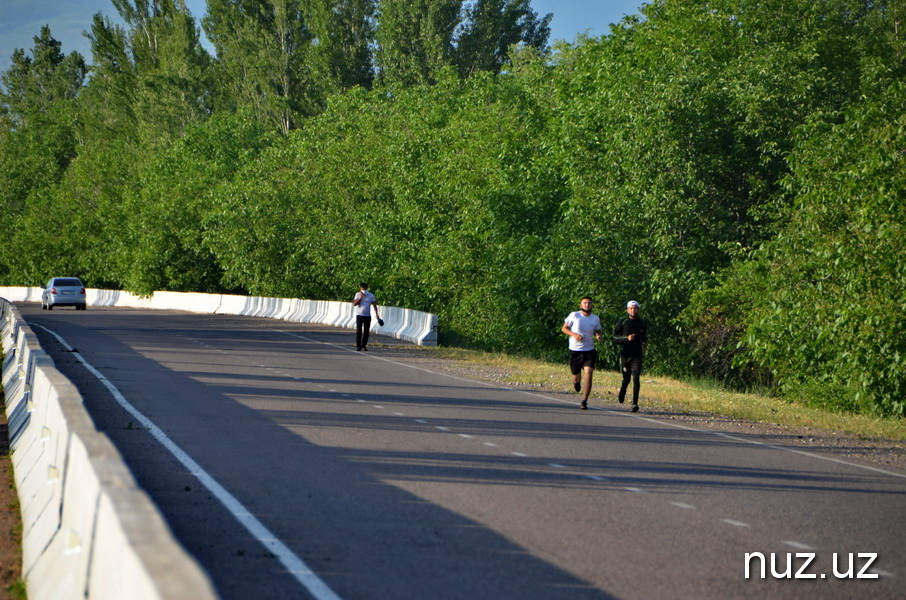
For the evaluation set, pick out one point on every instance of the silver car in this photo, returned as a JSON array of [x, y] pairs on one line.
[[64, 291]]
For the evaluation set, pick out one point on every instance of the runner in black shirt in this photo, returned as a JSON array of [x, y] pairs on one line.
[[631, 332]]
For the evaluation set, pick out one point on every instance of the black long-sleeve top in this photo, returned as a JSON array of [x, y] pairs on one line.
[[626, 326]]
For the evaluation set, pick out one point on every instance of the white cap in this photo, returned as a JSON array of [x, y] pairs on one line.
[[633, 303]]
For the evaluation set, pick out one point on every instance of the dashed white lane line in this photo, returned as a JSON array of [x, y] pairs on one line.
[[798, 545], [441, 428], [735, 523], [680, 505]]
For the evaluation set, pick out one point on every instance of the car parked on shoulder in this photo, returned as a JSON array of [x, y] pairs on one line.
[[64, 291]]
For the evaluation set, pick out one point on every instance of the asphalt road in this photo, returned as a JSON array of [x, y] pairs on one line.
[[390, 481]]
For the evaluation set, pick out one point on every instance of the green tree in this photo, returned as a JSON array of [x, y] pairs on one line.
[[818, 308], [165, 235], [415, 39], [264, 59], [675, 134], [108, 104], [37, 133], [491, 27], [171, 68], [342, 46]]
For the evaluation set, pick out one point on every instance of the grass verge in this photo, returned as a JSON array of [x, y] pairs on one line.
[[670, 394]]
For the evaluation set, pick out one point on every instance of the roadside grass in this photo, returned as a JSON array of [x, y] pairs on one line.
[[668, 394], [11, 578]]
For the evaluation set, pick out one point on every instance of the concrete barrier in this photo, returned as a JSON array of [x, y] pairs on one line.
[[406, 324], [88, 531]]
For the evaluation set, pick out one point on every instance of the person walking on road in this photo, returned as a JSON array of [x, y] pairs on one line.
[[631, 333], [582, 327], [363, 302]]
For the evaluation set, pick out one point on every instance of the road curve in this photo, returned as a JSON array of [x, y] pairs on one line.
[[387, 480]]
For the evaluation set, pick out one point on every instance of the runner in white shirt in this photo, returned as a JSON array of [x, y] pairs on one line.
[[583, 327]]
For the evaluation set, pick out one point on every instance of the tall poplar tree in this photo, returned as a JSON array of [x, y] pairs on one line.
[[264, 51], [415, 39], [343, 33], [490, 27]]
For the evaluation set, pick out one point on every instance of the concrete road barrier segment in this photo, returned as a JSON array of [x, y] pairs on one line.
[[406, 324], [88, 530]]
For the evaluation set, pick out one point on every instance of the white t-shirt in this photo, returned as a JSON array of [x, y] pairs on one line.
[[363, 308], [586, 326]]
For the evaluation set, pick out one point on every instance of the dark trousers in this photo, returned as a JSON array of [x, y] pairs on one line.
[[632, 368], [362, 329]]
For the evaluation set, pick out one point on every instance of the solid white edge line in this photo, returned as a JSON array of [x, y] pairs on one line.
[[295, 565]]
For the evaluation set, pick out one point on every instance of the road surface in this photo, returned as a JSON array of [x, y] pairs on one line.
[[321, 472]]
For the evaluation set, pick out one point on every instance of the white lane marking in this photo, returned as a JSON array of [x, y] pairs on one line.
[[465, 435], [735, 523], [610, 410], [519, 454], [683, 505], [295, 565], [773, 447], [399, 414], [422, 421], [650, 420], [634, 490], [441, 428], [797, 545], [491, 444], [555, 466], [378, 406], [597, 478]]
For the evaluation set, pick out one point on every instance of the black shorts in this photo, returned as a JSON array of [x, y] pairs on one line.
[[578, 359], [631, 364]]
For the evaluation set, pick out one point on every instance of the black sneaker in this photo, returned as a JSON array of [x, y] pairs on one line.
[[578, 387], [635, 408], [584, 405], [358, 349], [621, 399]]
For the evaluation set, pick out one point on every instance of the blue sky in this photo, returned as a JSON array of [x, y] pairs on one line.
[[21, 20]]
